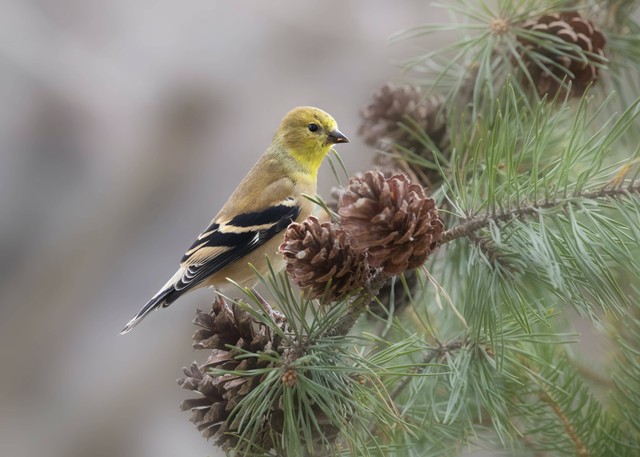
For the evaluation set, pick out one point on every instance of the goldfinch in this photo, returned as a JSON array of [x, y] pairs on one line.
[[248, 227]]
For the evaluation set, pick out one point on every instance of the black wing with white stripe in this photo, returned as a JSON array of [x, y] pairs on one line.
[[223, 243]]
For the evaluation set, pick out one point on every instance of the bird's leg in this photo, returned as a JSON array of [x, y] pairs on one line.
[[277, 316]]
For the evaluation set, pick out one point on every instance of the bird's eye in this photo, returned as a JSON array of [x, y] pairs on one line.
[[313, 127]]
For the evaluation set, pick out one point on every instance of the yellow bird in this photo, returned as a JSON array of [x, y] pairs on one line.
[[248, 227]]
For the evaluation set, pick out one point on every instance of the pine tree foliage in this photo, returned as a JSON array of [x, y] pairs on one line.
[[540, 197]]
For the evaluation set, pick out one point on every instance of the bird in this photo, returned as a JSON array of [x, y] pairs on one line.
[[249, 227]]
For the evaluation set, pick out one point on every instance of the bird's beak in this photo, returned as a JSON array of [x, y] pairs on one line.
[[336, 136]]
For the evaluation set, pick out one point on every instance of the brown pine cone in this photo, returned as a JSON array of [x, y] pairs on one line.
[[220, 328], [230, 332], [321, 262], [391, 219], [391, 107], [579, 68]]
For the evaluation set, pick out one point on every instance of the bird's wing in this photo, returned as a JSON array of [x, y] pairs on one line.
[[223, 242]]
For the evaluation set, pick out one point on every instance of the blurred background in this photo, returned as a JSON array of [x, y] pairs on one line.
[[124, 126]]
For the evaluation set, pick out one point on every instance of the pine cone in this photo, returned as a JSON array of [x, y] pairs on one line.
[[222, 327], [382, 128], [572, 28], [321, 262], [230, 332], [391, 219]]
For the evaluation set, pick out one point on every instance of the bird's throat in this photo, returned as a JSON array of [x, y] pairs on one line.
[[310, 160]]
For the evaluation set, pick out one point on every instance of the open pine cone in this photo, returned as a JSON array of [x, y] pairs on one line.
[[321, 262], [391, 107], [571, 28], [391, 219], [222, 327], [230, 332]]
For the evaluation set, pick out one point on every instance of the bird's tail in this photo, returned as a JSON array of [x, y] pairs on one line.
[[159, 300], [167, 295]]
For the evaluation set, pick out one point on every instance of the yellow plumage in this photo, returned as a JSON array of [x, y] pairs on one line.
[[249, 226]]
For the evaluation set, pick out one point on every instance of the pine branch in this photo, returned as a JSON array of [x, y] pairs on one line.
[[487, 246], [436, 353], [473, 224], [581, 450], [357, 306]]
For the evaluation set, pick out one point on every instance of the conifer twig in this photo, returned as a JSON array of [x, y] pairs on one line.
[[581, 450], [485, 244], [473, 224], [438, 352], [358, 305]]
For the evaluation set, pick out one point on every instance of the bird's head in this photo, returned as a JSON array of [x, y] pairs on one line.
[[308, 133]]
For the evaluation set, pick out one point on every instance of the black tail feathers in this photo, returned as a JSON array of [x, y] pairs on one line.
[[162, 299]]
